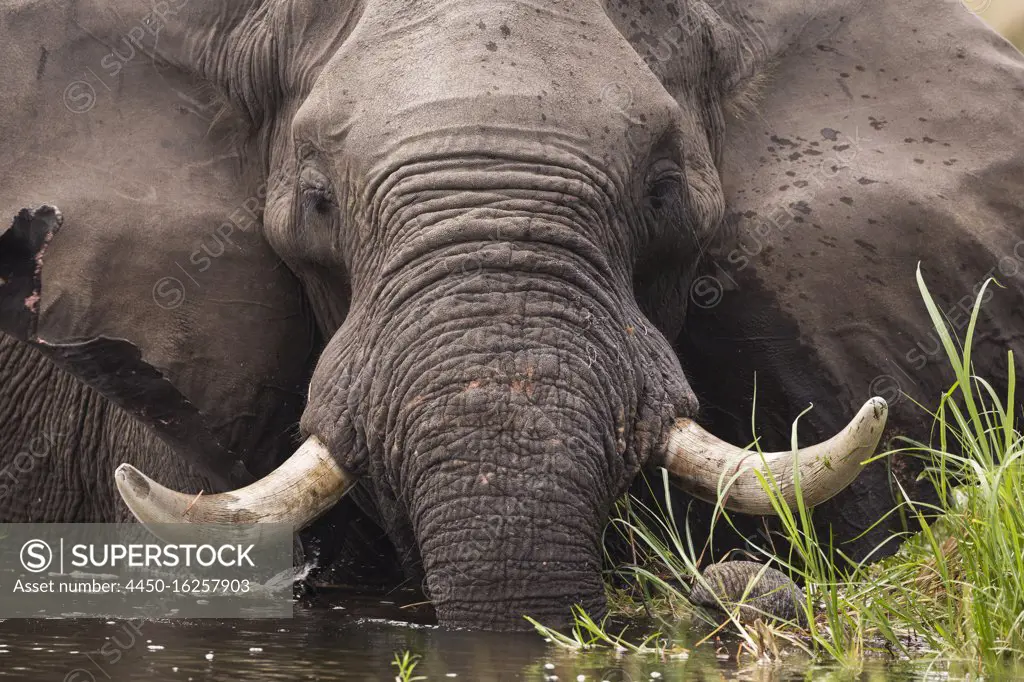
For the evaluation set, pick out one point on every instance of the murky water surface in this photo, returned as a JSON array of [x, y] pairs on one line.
[[345, 637]]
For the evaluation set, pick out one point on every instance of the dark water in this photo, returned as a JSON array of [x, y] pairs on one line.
[[343, 637]]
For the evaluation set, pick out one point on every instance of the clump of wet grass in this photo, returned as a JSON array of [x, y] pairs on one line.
[[587, 633], [954, 590]]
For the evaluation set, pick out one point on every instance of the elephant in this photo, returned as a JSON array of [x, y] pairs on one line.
[[434, 276]]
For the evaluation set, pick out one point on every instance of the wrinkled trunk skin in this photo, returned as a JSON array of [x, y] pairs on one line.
[[497, 396], [536, 557], [508, 457], [509, 487]]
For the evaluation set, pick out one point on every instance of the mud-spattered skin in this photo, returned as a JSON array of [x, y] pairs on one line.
[[454, 241], [882, 141]]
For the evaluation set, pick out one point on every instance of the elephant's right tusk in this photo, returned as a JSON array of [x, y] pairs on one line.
[[308, 484], [698, 461]]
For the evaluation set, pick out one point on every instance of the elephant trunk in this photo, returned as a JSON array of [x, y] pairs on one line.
[[510, 452], [499, 404], [498, 544]]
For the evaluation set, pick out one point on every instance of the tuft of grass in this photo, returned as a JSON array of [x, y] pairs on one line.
[[586, 634], [405, 663], [961, 578], [954, 591]]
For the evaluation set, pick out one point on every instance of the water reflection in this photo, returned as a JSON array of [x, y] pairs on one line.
[[355, 638]]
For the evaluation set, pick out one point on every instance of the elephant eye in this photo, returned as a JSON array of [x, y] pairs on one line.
[[315, 190], [660, 192], [665, 186]]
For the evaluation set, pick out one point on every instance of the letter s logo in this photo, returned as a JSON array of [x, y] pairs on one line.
[[36, 556]]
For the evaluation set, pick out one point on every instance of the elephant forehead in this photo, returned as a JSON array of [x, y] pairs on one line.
[[539, 74]]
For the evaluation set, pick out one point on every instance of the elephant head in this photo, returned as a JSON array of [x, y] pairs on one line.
[[489, 213]]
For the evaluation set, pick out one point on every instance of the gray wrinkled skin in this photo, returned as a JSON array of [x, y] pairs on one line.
[[760, 592], [459, 243]]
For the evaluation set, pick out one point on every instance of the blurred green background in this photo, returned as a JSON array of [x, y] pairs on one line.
[[1007, 16]]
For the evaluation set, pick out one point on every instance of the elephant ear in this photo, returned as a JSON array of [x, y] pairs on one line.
[[887, 134], [150, 280]]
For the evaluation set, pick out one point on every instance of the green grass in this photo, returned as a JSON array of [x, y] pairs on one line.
[[405, 664], [954, 591], [588, 634]]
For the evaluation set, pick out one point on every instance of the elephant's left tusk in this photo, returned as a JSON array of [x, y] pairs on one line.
[[698, 460], [308, 484]]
